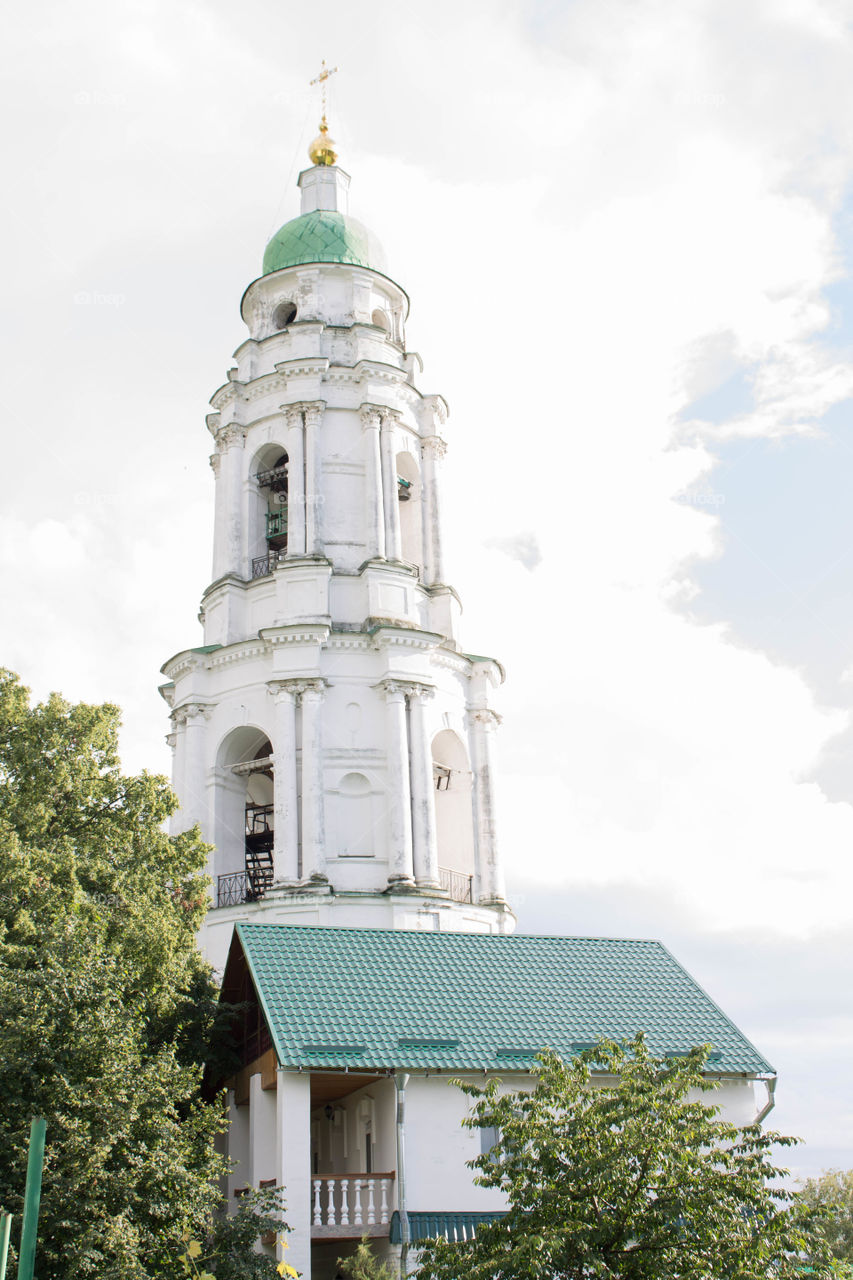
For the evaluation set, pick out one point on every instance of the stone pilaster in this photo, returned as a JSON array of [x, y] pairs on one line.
[[424, 833], [433, 450], [398, 797], [313, 799], [295, 482], [286, 847], [391, 502], [371, 418], [482, 724]]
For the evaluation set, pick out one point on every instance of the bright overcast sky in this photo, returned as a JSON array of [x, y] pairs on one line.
[[625, 229]]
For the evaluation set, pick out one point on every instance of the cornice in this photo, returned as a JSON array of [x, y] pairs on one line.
[[443, 658], [293, 633], [387, 635]]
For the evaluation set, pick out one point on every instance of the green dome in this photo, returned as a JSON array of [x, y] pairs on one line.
[[323, 236]]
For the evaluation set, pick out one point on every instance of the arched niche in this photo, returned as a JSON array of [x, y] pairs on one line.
[[353, 817], [453, 811], [267, 509], [410, 496], [243, 818]]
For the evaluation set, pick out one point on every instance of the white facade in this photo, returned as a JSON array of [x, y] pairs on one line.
[[330, 715]]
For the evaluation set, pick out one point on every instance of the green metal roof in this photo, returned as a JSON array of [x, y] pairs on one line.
[[382, 998], [323, 236]]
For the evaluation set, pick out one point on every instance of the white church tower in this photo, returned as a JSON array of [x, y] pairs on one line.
[[330, 737]]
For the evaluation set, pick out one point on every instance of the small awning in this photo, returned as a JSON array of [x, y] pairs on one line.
[[449, 1226]]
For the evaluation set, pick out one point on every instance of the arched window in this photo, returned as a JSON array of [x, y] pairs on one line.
[[284, 314], [244, 824], [268, 519], [409, 493], [453, 814]]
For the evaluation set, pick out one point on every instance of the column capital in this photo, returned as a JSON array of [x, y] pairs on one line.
[[312, 688], [214, 460], [434, 447], [390, 417], [406, 688], [283, 689], [371, 415], [229, 435], [486, 717], [192, 711]]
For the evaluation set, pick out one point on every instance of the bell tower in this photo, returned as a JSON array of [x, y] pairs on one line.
[[330, 736]]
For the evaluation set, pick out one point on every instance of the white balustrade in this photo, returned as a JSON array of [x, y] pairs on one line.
[[346, 1204]]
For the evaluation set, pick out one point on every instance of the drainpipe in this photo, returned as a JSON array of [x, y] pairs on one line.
[[770, 1086], [400, 1082]]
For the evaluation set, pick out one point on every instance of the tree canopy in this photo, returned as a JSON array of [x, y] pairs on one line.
[[832, 1193], [616, 1165], [107, 1005]]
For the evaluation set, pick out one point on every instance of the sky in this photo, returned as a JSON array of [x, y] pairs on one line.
[[626, 228]]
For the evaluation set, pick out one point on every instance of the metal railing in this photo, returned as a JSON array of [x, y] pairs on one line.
[[457, 884], [277, 523], [352, 1203], [262, 566], [231, 889]]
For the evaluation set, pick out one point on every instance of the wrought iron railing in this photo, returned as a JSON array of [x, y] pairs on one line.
[[274, 478], [457, 884], [262, 566], [231, 889]]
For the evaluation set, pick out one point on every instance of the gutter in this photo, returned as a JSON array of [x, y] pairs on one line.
[[770, 1086], [400, 1082]]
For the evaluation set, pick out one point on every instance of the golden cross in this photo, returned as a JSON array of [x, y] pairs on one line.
[[325, 73]]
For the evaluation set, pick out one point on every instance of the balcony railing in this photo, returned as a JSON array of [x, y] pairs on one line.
[[277, 523], [352, 1204], [231, 889], [457, 884], [262, 566]]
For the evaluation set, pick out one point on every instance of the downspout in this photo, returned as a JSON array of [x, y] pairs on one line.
[[770, 1086], [400, 1082]]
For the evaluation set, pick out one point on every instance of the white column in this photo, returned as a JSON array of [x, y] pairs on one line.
[[433, 451], [398, 795], [228, 527], [374, 513], [424, 836], [295, 483], [313, 497], [293, 1165], [313, 834], [482, 726], [286, 848], [391, 502], [194, 774], [176, 741]]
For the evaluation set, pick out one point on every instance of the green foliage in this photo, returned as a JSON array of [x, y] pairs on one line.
[[364, 1265], [227, 1253], [615, 1165], [107, 1004], [833, 1195]]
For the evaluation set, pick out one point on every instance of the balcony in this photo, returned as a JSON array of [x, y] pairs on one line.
[[350, 1205], [263, 566], [459, 885], [277, 524]]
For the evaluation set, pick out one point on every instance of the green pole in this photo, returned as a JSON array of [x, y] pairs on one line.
[[5, 1228], [32, 1199]]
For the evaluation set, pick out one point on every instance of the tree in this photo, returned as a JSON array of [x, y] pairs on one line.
[[833, 1195], [364, 1265], [107, 1005], [615, 1165]]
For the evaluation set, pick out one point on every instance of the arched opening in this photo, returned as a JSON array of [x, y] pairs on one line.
[[268, 509], [380, 319], [409, 493], [284, 314], [453, 814], [244, 825]]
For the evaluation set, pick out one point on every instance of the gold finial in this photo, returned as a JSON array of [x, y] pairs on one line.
[[322, 149]]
